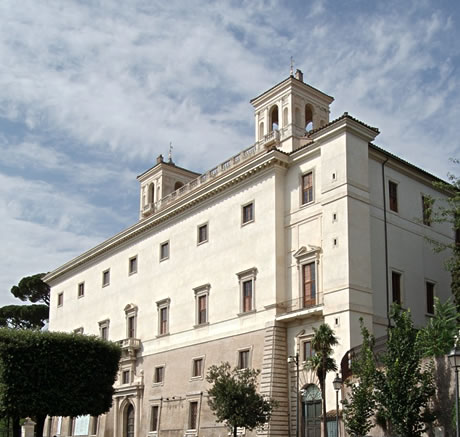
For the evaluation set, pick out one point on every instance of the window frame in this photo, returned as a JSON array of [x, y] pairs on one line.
[[131, 270], [241, 351], [249, 275], [201, 292], [397, 273], [104, 273], [104, 324], [197, 413], [303, 190], [125, 372], [159, 370], [201, 375], [60, 299], [304, 256], [303, 343], [162, 246], [198, 237], [427, 300], [131, 314], [81, 290], [163, 304], [157, 424], [393, 200], [251, 204]]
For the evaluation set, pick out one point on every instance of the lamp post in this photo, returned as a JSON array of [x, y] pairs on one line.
[[454, 361], [337, 383], [295, 359]]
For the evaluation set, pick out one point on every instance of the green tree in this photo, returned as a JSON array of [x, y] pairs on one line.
[[32, 289], [322, 362], [56, 374], [403, 386], [359, 409], [24, 316], [234, 399]]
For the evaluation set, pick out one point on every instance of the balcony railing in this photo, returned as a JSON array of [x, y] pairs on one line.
[[300, 304], [129, 343]]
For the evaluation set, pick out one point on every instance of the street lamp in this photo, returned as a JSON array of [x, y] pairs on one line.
[[337, 383], [295, 359], [454, 361]]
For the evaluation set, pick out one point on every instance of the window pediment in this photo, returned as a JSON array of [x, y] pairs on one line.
[[308, 251], [130, 308]]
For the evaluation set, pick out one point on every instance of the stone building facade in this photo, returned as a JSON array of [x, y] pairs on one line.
[[312, 223]]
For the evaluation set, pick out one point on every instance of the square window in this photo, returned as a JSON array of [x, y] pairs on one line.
[[133, 265], [307, 188], [396, 287], [106, 278], [429, 297], [154, 417], [60, 299], [393, 195], [197, 370], [159, 375], [193, 415], [247, 213], [164, 250], [125, 377], [309, 285], [81, 289], [243, 359], [427, 203], [203, 233]]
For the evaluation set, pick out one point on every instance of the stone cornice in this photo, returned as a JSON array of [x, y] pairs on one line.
[[248, 169]]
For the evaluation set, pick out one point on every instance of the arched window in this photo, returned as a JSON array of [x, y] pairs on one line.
[[261, 130], [274, 120], [285, 117], [151, 193], [308, 118], [177, 185], [311, 411]]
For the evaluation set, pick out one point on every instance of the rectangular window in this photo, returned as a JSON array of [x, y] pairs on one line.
[[133, 265], [307, 350], [193, 415], [202, 309], [307, 188], [104, 329], [60, 299], [396, 287], [163, 320], [426, 210], [125, 377], [247, 296], [247, 213], [429, 297], [202, 233], [164, 250], [197, 370], [106, 278], [243, 359], [159, 375], [154, 418], [131, 327], [94, 422], [393, 194], [81, 289], [309, 285]]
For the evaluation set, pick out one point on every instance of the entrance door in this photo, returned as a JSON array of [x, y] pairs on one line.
[[311, 412], [129, 430]]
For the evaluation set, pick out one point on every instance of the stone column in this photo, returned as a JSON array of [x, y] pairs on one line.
[[274, 378], [28, 428]]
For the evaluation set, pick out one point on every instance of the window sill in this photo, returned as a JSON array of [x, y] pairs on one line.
[[200, 243], [157, 384], [132, 273], [430, 315], [105, 285], [196, 378], [304, 205], [246, 313], [164, 259], [162, 335], [247, 223], [200, 325]]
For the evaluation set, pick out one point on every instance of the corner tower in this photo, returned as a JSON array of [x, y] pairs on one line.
[[284, 113]]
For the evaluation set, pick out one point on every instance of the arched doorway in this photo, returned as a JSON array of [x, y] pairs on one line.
[[129, 424], [311, 411]]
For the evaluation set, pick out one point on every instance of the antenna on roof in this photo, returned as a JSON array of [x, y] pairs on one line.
[[170, 152], [292, 66]]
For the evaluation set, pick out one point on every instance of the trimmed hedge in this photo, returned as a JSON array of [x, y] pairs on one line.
[[56, 374]]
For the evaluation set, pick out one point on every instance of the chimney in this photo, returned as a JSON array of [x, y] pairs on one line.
[[299, 75], [160, 159]]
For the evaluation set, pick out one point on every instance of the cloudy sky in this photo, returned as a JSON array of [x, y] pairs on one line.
[[92, 91]]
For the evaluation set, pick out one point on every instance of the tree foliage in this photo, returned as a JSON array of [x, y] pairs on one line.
[[56, 374], [359, 409], [32, 289], [322, 362], [24, 316], [403, 386], [234, 399]]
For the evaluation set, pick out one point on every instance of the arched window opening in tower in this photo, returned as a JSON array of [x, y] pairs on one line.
[[308, 118], [274, 120]]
